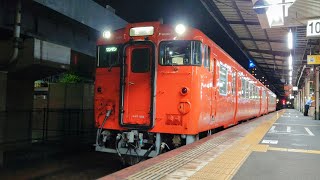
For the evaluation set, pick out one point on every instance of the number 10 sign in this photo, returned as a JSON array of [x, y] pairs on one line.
[[313, 28]]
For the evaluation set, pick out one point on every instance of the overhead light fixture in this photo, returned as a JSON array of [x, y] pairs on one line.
[[275, 10], [290, 40], [290, 62], [290, 73], [275, 15]]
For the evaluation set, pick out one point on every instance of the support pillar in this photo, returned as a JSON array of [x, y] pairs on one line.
[[302, 100], [307, 88], [317, 94], [298, 101]]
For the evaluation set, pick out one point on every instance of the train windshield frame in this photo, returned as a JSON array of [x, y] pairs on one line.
[[108, 55], [180, 53]]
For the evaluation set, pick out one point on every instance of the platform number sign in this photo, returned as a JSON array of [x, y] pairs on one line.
[[313, 28]]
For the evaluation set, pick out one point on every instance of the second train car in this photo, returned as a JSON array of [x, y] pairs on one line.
[[158, 87]]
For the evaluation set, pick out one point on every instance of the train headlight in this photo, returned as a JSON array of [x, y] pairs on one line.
[[180, 29], [184, 107], [106, 34]]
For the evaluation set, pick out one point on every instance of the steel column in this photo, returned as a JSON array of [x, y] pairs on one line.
[[298, 101], [303, 100], [317, 94], [307, 88]]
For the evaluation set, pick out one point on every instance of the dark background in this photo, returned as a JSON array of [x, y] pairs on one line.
[[188, 12]]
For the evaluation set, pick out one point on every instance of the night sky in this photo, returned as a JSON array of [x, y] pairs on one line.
[[188, 12]]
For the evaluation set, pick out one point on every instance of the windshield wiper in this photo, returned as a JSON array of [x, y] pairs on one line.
[[111, 66]]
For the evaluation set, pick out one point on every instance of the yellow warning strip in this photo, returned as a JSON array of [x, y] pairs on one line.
[[226, 165], [298, 124], [294, 150]]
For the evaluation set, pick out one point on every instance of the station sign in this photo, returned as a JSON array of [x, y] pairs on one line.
[[313, 28], [313, 59]]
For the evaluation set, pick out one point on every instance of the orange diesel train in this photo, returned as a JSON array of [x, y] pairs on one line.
[[158, 87]]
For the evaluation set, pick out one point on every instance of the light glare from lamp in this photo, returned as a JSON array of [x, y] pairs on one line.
[[290, 62], [275, 15], [106, 34], [180, 29], [290, 40]]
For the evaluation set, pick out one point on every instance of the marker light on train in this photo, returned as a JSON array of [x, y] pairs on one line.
[[180, 29], [184, 91], [106, 34]]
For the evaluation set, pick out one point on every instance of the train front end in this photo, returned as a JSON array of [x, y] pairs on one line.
[[141, 109]]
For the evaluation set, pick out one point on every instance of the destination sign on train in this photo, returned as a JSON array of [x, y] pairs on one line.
[[111, 49]]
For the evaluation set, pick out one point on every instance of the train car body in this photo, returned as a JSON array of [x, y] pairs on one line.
[[157, 88]]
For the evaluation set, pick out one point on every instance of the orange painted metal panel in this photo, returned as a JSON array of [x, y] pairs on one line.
[[200, 109]]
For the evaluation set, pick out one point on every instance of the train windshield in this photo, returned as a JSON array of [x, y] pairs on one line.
[[108, 56], [183, 53]]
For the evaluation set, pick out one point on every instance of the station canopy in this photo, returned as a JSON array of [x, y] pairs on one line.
[[264, 40]]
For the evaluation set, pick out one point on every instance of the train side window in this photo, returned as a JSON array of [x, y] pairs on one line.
[[251, 91], [243, 87], [223, 80], [209, 51], [233, 83], [247, 89], [206, 57], [256, 96], [196, 53], [180, 53]]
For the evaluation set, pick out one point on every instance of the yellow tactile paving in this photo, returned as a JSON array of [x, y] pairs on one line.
[[227, 164], [294, 150]]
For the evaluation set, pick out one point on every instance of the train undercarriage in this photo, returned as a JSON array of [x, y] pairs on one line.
[[135, 146]]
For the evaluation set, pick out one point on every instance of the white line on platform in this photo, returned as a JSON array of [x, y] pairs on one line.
[[269, 141], [297, 124], [291, 134], [288, 129], [272, 129], [309, 132]]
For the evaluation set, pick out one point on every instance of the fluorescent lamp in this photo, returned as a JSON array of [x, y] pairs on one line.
[[275, 15], [290, 73], [290, 40], [290, 62]]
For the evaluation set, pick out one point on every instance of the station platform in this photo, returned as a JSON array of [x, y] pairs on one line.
[[281, 145]]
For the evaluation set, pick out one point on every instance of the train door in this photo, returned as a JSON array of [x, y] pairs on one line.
[[137, 87]]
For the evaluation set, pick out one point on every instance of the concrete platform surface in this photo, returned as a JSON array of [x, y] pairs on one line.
[[280, 145]]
